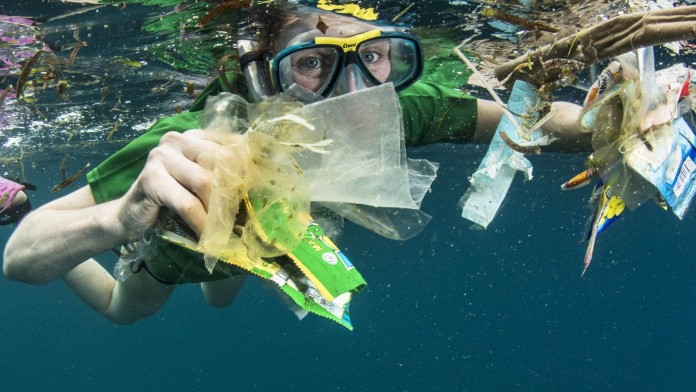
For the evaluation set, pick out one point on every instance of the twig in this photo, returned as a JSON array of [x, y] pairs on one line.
[[610, 38], [488, 88]]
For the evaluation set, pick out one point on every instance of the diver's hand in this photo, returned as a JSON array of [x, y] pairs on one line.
[[177, 176], [62, 234]]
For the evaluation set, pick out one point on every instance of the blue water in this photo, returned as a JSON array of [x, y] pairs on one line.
[[450, 310], [453, 309]]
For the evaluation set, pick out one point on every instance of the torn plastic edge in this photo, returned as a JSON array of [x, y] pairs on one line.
[[491, 182]]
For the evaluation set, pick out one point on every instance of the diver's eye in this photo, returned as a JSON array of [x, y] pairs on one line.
[[374, 52], [310, 62], [370, 57]]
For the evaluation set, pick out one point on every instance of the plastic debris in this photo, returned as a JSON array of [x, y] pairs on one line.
[[490, 183], [643, 136], [281, 155]]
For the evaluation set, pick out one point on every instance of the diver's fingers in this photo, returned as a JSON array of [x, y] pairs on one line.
[[187, 205], [192, 176], [157, 187], [194, 144], [204, 147], [192, 157], [189, 159]]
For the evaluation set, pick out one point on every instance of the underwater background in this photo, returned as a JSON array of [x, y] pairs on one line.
[[453, 309]]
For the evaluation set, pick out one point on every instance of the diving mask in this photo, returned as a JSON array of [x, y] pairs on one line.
[[326, 64]]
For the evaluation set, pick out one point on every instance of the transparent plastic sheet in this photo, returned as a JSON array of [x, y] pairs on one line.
[[366, 177], [491, 181], [368, 164], [394, 223]]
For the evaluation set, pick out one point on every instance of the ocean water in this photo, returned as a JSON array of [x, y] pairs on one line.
[[453, 309]]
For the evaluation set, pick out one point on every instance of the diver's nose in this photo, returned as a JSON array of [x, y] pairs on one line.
[[350, 80]]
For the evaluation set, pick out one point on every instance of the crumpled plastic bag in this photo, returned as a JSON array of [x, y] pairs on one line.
[[353, 160], [367, 163], [332, 152]]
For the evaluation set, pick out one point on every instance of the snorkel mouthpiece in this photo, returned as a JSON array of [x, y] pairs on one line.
[[255, 71]]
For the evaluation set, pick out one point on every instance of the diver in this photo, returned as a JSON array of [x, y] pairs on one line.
[[309, 49]]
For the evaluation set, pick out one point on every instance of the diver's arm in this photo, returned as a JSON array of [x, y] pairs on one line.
[[488, 115], [124, 302], [84, 230], [221, 293], [562, 126], [57, 237]]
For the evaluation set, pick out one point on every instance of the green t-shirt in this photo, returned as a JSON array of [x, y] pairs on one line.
[[435, 114]]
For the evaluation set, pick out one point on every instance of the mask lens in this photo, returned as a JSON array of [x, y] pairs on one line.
[[380, 59], [394, 59], [311, 68]]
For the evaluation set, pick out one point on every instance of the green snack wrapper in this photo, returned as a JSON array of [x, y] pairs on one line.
[[315, 275]]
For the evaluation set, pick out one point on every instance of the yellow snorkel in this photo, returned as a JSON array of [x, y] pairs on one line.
[[351, 9]]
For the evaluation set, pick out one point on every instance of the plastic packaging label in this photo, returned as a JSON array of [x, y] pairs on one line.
[[674, 177]]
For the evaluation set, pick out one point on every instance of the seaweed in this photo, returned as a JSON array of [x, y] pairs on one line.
[[72, 178], [24, 75]]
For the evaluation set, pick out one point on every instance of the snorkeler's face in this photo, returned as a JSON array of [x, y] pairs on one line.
[[332, 55], [314, 66]]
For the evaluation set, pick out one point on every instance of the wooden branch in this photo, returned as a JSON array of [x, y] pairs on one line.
[[611, 38]]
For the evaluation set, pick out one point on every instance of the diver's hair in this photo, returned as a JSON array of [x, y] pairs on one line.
[[262, 23], [267, 21]]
